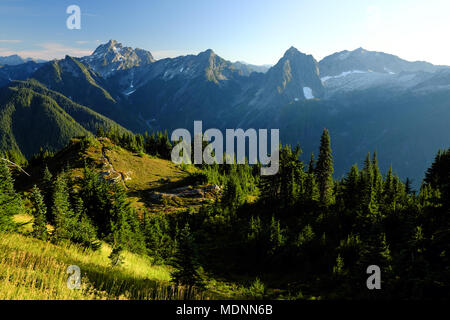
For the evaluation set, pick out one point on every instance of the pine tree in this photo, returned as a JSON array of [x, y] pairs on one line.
[[408, 187], [39, 213], [311, 189], [369, 196], [233, 195], [389, 187], [61, 210], [312, 164], [125, 230], [95, 193], [324, 169], [377, 178], [352, 188], [185, 261], [47, 191], [84, 232], [291, 175], [276, 236], [10, 201]]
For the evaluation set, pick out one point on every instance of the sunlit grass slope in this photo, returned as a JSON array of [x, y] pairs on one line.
[[32, 269]]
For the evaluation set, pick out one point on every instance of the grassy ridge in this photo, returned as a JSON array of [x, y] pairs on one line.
[[32, 269]]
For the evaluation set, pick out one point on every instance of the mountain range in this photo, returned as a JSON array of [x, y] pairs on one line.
[[368, 101], [15, 59]]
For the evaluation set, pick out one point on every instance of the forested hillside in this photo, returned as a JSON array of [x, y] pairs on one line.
[[299, 234], [34, 118]]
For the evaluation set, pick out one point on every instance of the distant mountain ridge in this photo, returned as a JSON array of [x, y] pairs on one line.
[[370, 61], [368, 100], [15, 59]]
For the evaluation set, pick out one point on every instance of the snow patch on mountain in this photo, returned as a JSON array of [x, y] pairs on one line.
[[388, 70], [307, 92], [343, 74]]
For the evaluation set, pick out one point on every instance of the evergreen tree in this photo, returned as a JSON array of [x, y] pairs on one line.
[[47, 190], [61, 210], [408, 187], [10, 201], [324, 169], [291, 176], [84, 232], [125, 230], [233, 195], [377, 178], [389, 191], [312, 164], [94, 193], [276, 237], [185, 261], [39, 214], [352, 188]]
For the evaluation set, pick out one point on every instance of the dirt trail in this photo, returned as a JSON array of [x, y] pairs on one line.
[[108, 160]]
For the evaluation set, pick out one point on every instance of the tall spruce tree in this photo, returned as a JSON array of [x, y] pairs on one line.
[[61, 210], [39, 214], [352, 190], [10, 201], [185, 261], [125, 231], [324, 169], [311, 164], [47, 191], [377, 178], [84, 232]]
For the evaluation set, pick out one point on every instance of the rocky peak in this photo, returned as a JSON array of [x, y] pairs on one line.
[[113, 56], [294, 74]]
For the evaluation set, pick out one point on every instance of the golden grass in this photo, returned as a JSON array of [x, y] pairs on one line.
[[144, 171], [33, 269]]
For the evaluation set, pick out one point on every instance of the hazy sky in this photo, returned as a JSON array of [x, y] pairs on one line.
[[254, 31]]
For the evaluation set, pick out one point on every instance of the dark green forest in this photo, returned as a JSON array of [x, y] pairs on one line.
[[300, 230]]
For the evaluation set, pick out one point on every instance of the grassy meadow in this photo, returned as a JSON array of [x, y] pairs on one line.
[[31, 269]]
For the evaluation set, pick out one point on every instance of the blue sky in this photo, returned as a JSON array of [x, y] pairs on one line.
[[254, 31]]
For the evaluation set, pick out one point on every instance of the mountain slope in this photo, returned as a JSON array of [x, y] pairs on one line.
[[76, 81], [202, 86], [370, 61], [82, 85], [33, 117], [17, 72]]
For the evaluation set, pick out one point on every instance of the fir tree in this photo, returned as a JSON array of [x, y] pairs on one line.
[[61, 210], [276, 237], [312, 164], [377, 178], [10, 201], [324, 169], [47, 190], [408, 187], [39, 214], [125, 230], [84, 232], [185, 261], [389, 191]]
